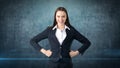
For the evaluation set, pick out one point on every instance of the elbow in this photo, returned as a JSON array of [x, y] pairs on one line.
[[32, 41], [88, 43]]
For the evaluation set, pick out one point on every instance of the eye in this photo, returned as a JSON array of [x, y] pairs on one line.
[[58, 16], [63, 16]]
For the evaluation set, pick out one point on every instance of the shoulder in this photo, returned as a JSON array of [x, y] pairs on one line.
[[72, 28], [49, 27]]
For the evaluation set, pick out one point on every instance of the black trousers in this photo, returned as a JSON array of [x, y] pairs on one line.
[[60, 64]]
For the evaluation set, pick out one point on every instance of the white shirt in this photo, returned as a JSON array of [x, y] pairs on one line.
[[61, 34]]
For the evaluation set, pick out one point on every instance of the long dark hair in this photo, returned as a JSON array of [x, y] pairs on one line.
[[67, 23]]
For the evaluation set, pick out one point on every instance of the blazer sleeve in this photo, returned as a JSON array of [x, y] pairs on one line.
[[34, 41], [86, 43]]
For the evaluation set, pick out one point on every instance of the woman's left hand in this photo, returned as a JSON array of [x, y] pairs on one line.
[[73, 53]]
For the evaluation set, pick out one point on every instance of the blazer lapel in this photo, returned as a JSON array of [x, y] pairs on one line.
[[55, 38], [67, 37]]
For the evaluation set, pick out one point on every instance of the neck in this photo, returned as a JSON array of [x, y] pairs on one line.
[[61, 27]]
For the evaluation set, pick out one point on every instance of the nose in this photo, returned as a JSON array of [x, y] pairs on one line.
[[61, 18]]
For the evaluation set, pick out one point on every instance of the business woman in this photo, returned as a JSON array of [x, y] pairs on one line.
[[60, 35]]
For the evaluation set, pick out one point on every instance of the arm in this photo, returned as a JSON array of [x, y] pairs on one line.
[[34, 41], [86, 43]]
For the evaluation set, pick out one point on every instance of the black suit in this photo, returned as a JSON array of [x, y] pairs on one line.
[[60, 51]]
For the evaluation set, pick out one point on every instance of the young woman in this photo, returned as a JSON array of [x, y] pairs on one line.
[[60, 36]]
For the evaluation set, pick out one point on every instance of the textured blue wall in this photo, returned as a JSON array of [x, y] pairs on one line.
[[20, 20]]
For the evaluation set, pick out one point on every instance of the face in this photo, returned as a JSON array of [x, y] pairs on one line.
[[61, 17]]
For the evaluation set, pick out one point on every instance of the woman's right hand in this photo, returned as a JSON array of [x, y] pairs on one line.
[[48, 53]]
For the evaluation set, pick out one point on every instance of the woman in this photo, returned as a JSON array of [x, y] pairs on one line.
[[60, 37]]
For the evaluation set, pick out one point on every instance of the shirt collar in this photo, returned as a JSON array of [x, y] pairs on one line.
[[66, 27]]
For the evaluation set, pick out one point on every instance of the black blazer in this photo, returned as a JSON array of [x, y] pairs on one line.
[[60, 51]]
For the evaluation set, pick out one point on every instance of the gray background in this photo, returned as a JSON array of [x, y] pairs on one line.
[[98, 20]]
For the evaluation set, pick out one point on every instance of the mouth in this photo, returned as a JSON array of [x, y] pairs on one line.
[[61, 21]]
